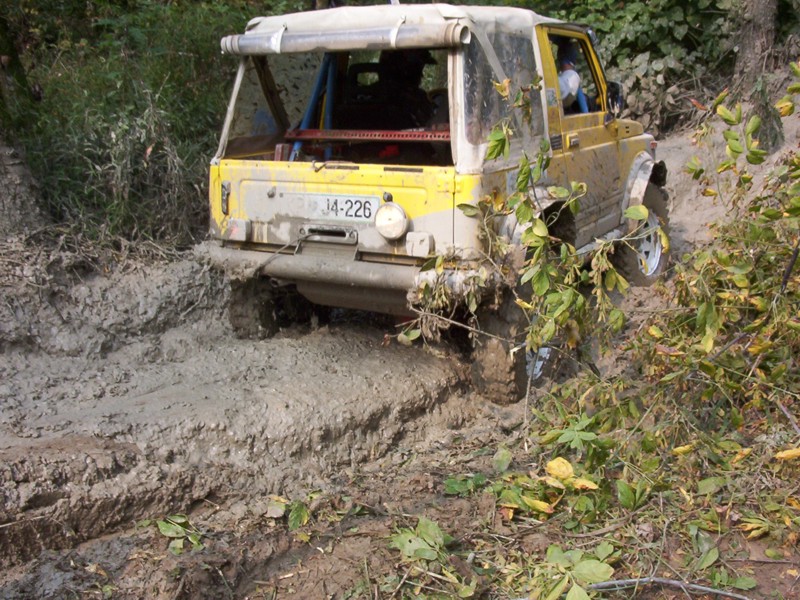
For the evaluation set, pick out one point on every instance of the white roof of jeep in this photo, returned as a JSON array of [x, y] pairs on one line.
[[381, 26]]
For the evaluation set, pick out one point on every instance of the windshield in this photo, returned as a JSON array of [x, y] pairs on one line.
[[374, 106]]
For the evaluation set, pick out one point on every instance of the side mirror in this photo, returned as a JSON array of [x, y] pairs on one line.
[[616, 98]]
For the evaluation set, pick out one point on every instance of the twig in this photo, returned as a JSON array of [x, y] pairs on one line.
[[766, 561], [622, 584], [399, 585], [789, 416], [12, 523], [179, 589], [225, 581], [790, 266]]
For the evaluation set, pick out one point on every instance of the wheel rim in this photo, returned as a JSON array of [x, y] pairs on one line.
[[536, 362], [650, 248]]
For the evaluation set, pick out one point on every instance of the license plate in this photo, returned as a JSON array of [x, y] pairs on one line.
[[340, 208]]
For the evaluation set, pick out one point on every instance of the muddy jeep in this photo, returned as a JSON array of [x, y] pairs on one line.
[[353, 134]]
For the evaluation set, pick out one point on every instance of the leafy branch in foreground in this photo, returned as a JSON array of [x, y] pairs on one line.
[[693, 446]]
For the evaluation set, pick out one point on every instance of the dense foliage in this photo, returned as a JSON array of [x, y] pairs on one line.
[[132, 97]]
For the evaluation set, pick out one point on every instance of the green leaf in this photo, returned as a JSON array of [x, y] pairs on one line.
[[625, 495], [559, 588], [298, 515], [524, 175], [194, 539], [711, 485], [468, 209], [413, 334], [577, 593], [524, 212], [604, 550], [756, 156], [501, 460], [708, 558], [727, 115], [540, 228], [557, 556], [541, 283], [171, 529], [412, 546], [753, 125], [468, 591], [638, 212], [457, 487], [176, 546], [430, 532], [592, 571], [178, 519], [744, 583], [558, 192], [548, 331], [735, 147]]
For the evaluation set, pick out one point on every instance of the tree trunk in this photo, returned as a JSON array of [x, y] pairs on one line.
[[757, 29]]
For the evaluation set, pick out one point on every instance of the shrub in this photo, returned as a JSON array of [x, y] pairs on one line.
[[133, 98]]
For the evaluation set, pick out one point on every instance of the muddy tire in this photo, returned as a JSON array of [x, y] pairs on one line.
[[646, 259], [251, 310], [502, 368]]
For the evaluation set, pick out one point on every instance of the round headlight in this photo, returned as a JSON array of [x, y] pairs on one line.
[[391, 221]]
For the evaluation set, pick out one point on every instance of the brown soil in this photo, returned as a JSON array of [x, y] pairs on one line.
[[125, 396]]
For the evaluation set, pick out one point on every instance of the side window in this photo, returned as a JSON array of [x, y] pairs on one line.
[[578, 88], [484, 106]]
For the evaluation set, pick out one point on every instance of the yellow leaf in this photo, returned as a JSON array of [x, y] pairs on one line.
[[522, 304], [584, 484], [741, 455], [788, 454], [655, 332], [793, 572], [793, 502], [681, 450], [553, 482], [785, 107], [709, 192], [538, 505], [668, 351], [759, 347], [503, 88], [560, 469], [664, 239]]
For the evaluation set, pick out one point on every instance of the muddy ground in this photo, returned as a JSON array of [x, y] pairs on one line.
[[124, 396]]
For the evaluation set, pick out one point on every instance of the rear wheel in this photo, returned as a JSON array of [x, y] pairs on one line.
[[502, 366], [643, 260], [251, 309]]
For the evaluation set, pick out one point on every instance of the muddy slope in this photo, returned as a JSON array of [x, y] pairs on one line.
[[127, 396]]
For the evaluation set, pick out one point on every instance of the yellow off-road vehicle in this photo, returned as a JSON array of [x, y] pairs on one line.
[[354, 133]]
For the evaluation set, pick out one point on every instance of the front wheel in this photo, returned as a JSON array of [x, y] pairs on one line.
[[645, 258]]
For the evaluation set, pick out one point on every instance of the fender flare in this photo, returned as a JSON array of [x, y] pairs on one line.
[[636, 186]]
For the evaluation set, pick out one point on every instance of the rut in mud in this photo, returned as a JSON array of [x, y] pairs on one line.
[[128, 396]]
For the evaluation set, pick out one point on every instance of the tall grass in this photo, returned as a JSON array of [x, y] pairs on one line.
[[133, 98]]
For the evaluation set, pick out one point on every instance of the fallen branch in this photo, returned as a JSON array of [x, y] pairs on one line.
[[789, 267], [788, 415], [622, 584]]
